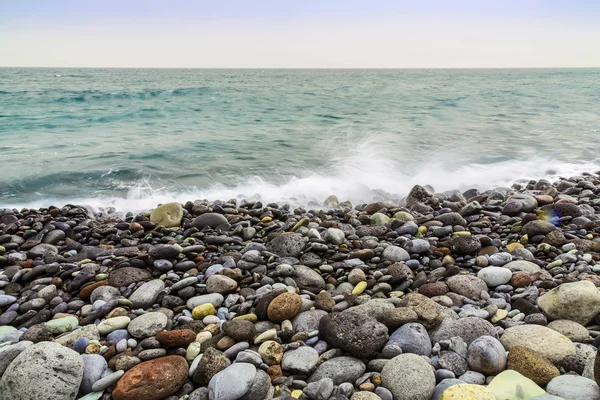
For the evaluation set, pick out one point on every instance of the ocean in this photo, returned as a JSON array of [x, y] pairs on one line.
[[134, 138]]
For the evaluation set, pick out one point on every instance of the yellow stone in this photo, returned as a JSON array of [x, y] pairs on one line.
[[514, 246], [462, 233], [447, 260], [524, 239], [359, 288], [500, 315], [343, 246], [296, 393], [396, 293], [422, 229], [247, 317], [467, 392], [203, 310], [266, 220]]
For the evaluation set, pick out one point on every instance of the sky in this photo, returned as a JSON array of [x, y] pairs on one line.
[[300, 34]]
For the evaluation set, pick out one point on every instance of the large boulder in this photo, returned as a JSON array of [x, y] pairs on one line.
[[44, 370], [576, 301], [409, 377], [360, 335]]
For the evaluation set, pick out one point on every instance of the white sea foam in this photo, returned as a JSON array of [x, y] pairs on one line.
[[355, 172]]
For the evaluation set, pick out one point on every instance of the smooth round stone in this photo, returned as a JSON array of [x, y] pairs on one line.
[[495, 276], [546, 341], [107, 381], [80, 344], [410, 338], [573, 387], [112, 324], [94, 366], [232, 383], [409, 377], [121, 345], [117, 335], [472, 377], [147, 325], [216, 299], [499, 259], [486, 355], [62, 325], [145, 296], [6, 300], [303, 360], [211, 319], [163, 265]]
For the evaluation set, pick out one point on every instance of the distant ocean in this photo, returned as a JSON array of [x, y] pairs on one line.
[[133, 138]]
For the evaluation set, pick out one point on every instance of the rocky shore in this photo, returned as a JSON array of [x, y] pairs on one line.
[[453, 295]]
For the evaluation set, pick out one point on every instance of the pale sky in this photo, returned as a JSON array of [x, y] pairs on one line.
[[300, 34]]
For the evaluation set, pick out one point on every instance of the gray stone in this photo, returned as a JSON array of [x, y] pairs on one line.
[[145, 296], [409, 377], [232, 383], [523, 266], [44, 370], [417, 246], [308, 321], [495, 276], [468, 329], [443, 385], [94, 366], [358, 334], [216, 299], [10, 352], [260, 387], [452, 362], [211, 220], [147, 325], [537, 227], [287, 244], [411, 338], [319, 390], [467, 285], [164, 251], [486, 355], [395, 254], [339, 369], [573, 387], [303, 360], [308, 279], [107, 381]]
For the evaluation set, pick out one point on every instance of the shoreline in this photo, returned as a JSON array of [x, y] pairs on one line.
[[468, 293]]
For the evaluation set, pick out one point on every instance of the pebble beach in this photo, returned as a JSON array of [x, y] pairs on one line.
[[476, 295]]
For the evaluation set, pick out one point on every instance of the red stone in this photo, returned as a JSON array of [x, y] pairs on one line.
[[178, 338], [152, 380]]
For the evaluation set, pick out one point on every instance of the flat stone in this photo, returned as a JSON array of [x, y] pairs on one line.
[[145, 296], [147, 325]]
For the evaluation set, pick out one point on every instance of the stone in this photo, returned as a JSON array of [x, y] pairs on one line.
[[486, 355], [10, 352], [523, 266], [532, 365], [287, 244], [468, 329], [220, 284], [232, 383], [285, 306], [571, 329], [573, 387], [147, 325], [211, 363], [145, 296], [359, 335], [112, 324], [308, 321], [168, 215], [94, 366], [308, 279], [107, 381], [319, 390], [495, 276], [576, 301], [211, 220], [409, 377], [62, 325], [466, 244], [467, 285], [441, 387], [429, 313], [302, 360], [537, 227], [271, 352], [152, 380], [239, 330], [510, 385], [260, 387], [339, 370], [410, 338], [164, 251], [395, 254], [127, 275], [364, 395], [176, 338], [215, 299], [549, 343], [202, 311], [55, 370], [89, 331], [467, 392]]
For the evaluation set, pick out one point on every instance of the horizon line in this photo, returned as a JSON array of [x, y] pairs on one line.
[[301, 68]]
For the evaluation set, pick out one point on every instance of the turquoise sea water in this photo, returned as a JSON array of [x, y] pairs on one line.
[[132, 138]]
